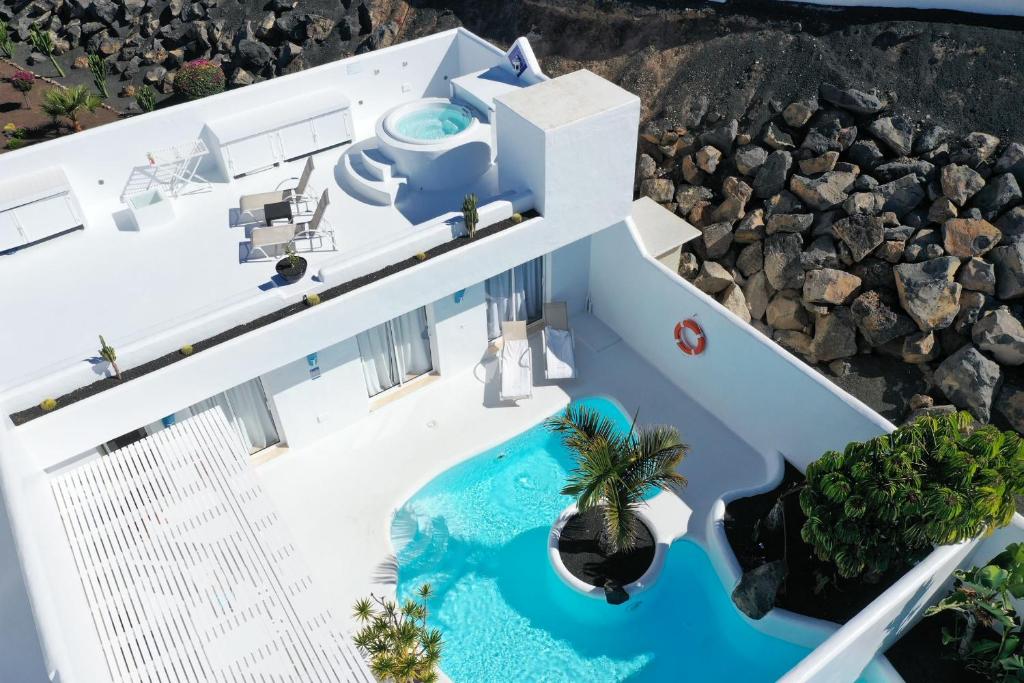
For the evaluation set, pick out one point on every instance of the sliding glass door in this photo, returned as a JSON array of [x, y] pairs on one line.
[[395, 352], [516, 294]]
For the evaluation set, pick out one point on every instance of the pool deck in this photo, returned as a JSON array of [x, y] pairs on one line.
[[338, 495]]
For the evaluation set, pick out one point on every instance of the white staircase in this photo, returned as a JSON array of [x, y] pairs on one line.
[[368, 174]]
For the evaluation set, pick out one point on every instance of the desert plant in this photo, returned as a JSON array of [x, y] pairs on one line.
[[421, 256], [983, 597], [48, 404], [881, 503], [397, 640], [69, 103], [187, 350], [615, 470], [98, 67], [470, 215], [43, 42], [108, 354], [14, 143], [199, 78], [22, 81], [312, 299], [291, 256], [6, 43], [146, 98], [517, 218]]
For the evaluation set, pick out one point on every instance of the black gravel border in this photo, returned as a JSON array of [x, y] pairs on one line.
[[31, 413], [582, 555]]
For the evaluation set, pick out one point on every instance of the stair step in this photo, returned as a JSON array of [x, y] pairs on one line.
[[376, 165]]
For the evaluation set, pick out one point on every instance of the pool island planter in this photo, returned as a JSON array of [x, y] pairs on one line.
[[634, 588]]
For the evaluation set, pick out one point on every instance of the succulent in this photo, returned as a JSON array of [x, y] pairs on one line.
[[108, 354], [517, 218], [187, 350], [146, 98], [48, 404], [312, 299], [421, 256], [470, 215], [199, 78]]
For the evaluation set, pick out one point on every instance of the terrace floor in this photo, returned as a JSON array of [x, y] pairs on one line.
[[338, 496], [130, 284]]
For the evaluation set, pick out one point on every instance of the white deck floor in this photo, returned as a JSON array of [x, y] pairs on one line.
[[337, 497], [126, 284]]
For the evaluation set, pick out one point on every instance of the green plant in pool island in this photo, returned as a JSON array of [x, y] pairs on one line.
[[615, 470], [987, 637], [199, 78], [470, 215], [882, 503], [400, 646]]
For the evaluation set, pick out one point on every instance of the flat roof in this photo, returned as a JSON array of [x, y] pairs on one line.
[[566, 99]]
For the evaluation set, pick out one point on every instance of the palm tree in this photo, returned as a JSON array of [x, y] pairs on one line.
[[614, 471], [69, 103]]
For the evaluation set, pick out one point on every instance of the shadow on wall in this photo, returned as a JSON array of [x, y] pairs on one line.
[[21, 658]]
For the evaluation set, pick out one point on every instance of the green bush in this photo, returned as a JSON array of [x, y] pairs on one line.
[[987, 635], [14, 143], [883, 502], [199, 78]]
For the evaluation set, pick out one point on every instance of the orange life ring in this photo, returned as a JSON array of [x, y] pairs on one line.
[[684, 346]]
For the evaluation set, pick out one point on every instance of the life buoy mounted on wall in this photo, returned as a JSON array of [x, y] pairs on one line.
[[684, 344]]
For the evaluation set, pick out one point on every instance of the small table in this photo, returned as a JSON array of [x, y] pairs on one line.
[[277, 211]]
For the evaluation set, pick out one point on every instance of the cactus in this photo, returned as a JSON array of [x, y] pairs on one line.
[[108, 354], [470, 215], [42, 42], [187, 350], [421, 256], [6, 44], [517, 218], [98, 67], [48, 404], [146, 98], [312, 299]]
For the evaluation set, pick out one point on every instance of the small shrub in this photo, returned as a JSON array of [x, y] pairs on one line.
[[14, 143], [880, 504], [517, 218], [146, 98], [312, 299], [98, 67], [108, 354], [421, 256], [48, 404], [22, 81], [470, 215], [987, 636], [396, 639], [6, 44], [42, 41], [199, 78], [187, 350]]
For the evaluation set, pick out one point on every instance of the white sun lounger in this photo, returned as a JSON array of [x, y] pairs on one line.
[[515, 362], [252, 204], [279, 234], [559, 343]]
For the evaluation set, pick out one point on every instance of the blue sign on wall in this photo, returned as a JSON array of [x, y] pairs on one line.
[[517, 59], [314, 369], [169, 420], [458, 296]]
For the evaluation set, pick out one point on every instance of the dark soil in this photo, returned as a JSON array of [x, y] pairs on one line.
[[919, 656], [812, 588], [585, 559], [31, 413]]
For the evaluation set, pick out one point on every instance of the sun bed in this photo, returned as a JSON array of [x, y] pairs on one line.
[[515, 362], [249, 205], [559, 343], [283, 234]]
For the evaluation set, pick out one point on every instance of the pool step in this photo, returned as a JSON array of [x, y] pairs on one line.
[[367, 174]]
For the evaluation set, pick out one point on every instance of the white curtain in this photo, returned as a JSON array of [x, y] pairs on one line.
[[245, 407], [377, 355], [516, 294], [412, 342]]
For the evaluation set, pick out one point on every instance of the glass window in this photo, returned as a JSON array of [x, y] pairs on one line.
[[516, 294], [395, 352]]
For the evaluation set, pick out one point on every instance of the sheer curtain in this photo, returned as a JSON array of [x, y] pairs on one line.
[[246, 409], [377, 355], [516, 294], [412, 342]]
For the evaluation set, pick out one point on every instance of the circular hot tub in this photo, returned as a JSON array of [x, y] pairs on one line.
[[435, 143]]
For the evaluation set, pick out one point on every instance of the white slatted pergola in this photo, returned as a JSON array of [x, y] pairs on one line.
[[188, 570]]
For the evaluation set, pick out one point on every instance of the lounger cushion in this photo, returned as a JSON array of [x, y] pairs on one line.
[[559, 354], [516, 370], [256, 202], [274, 234]]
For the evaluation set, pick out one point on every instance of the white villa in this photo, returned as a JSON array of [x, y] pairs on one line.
[[214, 514]]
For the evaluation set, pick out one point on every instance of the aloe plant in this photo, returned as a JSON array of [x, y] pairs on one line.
[[146, 98], [98, 67], [6, 44]]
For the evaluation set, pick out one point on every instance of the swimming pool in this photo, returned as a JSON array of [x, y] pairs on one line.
[[481, 541]]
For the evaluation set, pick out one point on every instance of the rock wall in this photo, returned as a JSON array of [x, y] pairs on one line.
[[843, 227]]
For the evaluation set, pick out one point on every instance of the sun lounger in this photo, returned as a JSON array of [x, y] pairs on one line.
[[251, 204], [559, 343], [515, 362], [284, 234]]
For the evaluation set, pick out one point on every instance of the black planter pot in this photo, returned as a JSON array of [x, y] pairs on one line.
[[289, 272]]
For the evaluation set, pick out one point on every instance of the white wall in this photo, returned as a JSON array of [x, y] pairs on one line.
[[459, 330], [568, 274], [766, 396], [306, 409]]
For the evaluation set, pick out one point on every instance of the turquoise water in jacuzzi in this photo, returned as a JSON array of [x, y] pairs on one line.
[[434, 122], [505, 616]]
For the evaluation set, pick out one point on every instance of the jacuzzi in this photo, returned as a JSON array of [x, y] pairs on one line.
[[436, 143]]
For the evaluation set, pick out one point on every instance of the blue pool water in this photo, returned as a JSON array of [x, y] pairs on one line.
[[505, 616], [434, 122]]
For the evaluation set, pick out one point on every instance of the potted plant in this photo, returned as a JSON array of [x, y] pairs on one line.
[[292, 267]]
